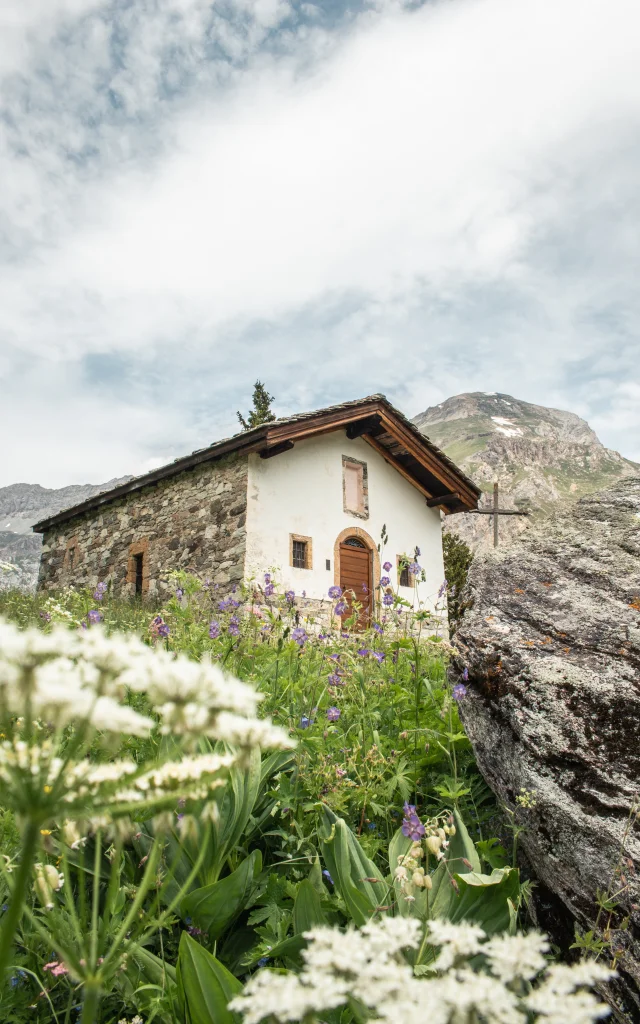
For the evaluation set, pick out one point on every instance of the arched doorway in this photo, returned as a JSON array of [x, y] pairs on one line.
[[356, 562]]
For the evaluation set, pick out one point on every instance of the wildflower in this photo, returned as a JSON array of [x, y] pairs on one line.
[[459, 691], [159, 627], [415, 569], [57, 969], [263, 961], [335, 593], [299, 636], [335, 679], [378, 628], [379, 656], [465, 675], [269, 590], [333, 714], [267, 577], [363, 652], [412, 827], [384, 581], [387, 566], [340, 608], [325, 874], [100, 591], [305, 722], [290, 596], [179, 593], [443, 589], [233, 629], [341, 772], [48, 880], [227, 604], [94, 617], [387, 600], [214, 629], [46, 615]]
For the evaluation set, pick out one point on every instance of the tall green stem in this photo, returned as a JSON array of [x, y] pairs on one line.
[[11, 918], [90, 1002]]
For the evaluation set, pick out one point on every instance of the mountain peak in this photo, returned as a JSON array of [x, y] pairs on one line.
[[538, 454]]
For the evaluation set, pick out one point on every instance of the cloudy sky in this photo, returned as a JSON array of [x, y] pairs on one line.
[[418, 198]]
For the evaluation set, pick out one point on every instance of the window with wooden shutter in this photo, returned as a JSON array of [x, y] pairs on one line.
[[405, 578], [355, 490]]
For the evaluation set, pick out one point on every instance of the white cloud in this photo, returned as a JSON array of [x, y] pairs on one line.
[[453, 184]]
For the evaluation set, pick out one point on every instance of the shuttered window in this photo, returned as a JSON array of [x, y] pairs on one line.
[[355, 487], [300, 554]]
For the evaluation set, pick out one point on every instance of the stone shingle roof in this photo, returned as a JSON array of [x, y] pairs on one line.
[[267, 436]]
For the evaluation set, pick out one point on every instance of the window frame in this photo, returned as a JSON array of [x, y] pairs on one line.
[[138, 549], [400, 559], [299, 538], [362, 512]]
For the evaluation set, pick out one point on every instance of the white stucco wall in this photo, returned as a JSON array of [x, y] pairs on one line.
[[300, 491]]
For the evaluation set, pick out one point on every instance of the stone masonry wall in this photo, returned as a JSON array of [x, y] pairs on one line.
[[196, 520]]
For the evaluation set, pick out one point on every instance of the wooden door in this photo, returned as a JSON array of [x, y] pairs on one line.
[[356, 579]]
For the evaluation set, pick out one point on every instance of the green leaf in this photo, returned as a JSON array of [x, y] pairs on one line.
[[205, 986], [493, 852], [484, 899], [213, 907], [349, 866], [307, 909]]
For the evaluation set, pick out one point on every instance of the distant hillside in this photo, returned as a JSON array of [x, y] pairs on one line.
[[22, 505], [539, 456]]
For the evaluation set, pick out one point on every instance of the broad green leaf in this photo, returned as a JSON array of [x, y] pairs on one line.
[[349, 867], [484, 899], [307, 910], [205, 986], [493, 852], [213, 907]]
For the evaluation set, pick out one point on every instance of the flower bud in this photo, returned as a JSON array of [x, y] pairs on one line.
[[433, 844], [418, 877], [400, 874], [443, 835], [416, 851], [428, 884]]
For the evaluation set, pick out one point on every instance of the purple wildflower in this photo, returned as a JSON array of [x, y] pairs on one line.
[[290, 595], [299, 635], [418, 552], [159, 626], [179, 593], [100, 591], [45, 616], [325, 874], [340, 608], [269, 590], [387, 600], [233, 629], [214, 630], [335, 593], [334, 657], [333, 714], [263, 961], [267, 577], [465, 675], [335, 679], [305, 722], [387, 566], [379, 656], [363, 652], [415, 569], [459, 691], [412, 827], [94, 616], [384, 581], [443, 589], [378, 628]]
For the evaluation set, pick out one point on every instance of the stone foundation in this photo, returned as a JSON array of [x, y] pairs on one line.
[[194, 521]]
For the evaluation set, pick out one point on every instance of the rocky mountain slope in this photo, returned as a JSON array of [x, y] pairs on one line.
[[22, 505], [539, 456]]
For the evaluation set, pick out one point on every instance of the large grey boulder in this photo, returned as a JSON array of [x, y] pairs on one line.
[[552, 645]]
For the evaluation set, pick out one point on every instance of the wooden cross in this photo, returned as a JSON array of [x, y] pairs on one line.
[[496, 511]]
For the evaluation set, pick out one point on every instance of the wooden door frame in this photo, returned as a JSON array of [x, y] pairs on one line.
[[357, 531]]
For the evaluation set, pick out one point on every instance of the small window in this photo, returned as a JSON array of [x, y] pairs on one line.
[[72, 556], [300, 551], [355, 491], [138, 561], [404, 576], [300, 554]]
